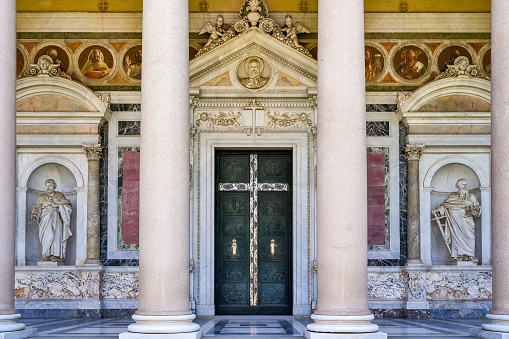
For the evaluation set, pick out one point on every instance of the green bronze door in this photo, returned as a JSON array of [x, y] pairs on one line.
[[253, 239]]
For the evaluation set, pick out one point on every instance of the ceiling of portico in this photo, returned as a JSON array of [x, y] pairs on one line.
[[225, 6]]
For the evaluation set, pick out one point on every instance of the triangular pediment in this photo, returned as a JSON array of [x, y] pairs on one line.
[[225, 68]]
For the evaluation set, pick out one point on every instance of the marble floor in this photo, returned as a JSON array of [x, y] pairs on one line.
[[237, 327]]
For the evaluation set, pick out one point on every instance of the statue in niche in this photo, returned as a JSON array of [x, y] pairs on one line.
[[52, 212], [459, 210], [292, 30], [254, 68], [217, 31]]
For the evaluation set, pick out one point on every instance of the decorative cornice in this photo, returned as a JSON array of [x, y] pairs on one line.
[[45, 68], [413, 152], [265, 103], [93, 152], [463, 68]]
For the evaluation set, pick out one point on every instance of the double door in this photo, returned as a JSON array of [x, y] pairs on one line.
[[253, 248]]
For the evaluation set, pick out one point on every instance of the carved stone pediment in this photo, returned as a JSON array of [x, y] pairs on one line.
[[254, 15], [460, 68]]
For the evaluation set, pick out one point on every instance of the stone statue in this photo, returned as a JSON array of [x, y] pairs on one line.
[[217, 31], [292, 30], [52, 212], [459, 210], [254, 68]]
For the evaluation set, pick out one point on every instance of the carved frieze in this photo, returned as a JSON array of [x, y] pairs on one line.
[[288, 119], [219, 119]]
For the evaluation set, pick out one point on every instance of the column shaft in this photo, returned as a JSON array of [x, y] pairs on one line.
[[93, 153], [341, 172], [164, 173], [413, 154], [499, 315]]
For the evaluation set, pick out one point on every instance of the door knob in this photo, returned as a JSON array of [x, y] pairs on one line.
[[273, 247]]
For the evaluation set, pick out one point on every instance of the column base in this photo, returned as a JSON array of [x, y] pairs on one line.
[[480, 333], [180, 326], [358, 326], [92, 262], [27, 333]]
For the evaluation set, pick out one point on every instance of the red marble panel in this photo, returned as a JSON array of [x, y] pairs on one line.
[[376, 198], [130, 197]]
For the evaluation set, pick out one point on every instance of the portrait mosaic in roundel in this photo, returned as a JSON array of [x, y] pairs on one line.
[[486, 62], [410, 62], [254, 73], [132, 62], [57, 54], [20, 62], [95, 62], [450, 54], [373, 63]]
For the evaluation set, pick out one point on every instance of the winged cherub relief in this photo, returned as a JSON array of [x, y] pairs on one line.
[[292, 30], [217, 31]]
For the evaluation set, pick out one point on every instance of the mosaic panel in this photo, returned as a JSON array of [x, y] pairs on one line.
[[377, 128], [131, 128]]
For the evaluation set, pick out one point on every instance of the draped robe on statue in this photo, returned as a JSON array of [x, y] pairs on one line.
[[460, 226], [54, 223]]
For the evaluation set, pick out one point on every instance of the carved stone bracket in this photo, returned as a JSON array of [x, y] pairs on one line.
[[105, 98], [413, 152], [253, 104], [44, 68], [93, 152], [402, 98], [462, 67]]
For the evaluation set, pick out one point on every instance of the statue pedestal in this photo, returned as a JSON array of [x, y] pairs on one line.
[[47, 264], [465, 263]]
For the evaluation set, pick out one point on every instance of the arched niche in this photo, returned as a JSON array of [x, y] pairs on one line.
[[443, 183], [66, 183]]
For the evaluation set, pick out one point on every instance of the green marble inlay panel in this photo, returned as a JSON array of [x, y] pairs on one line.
[[120, 244], [387, 245]]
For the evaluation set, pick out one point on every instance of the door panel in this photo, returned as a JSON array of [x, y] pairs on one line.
[[253, 233]]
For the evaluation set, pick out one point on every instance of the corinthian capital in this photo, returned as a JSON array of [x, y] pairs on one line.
[[413, 152], [93, 152]]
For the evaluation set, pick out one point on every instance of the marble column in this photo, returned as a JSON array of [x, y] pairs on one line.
[[9, 326], [498, 326], [342, 303], [93, 153], [164, 310], [413, 154]]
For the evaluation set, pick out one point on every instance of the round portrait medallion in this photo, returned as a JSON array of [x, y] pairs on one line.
[[254, 73], [20, 62], [132, 62], [373, 63], [95, 62], [450, 54], [410, 62], [486, 63], [57, 55]]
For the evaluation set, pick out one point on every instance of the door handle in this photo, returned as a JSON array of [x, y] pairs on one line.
[[272, 246], [234, 247]]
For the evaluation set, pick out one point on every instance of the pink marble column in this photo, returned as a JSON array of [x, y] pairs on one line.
[[498, 327], [164, 176], [342, 303], [9, 326]]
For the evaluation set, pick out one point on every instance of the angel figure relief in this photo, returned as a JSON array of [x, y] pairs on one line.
[[217, 31], [292, 29]]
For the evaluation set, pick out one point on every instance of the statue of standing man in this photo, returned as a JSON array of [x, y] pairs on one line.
[[459, 210], [52, 212]]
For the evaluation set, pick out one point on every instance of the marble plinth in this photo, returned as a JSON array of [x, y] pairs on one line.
[[47, 264], [191, 335], [319, 335], [480, 333], [27, 333]]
